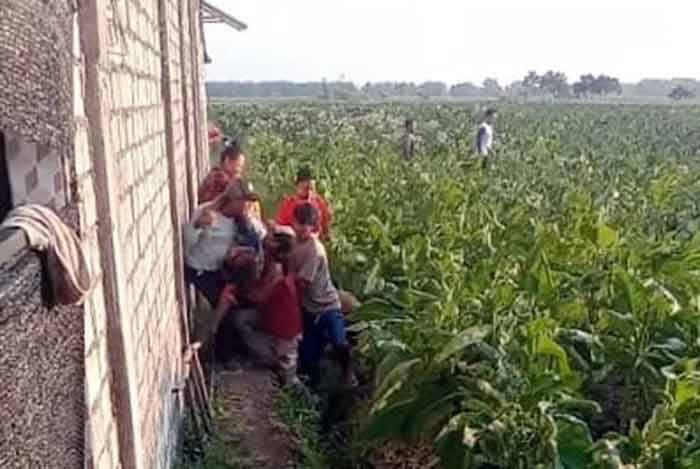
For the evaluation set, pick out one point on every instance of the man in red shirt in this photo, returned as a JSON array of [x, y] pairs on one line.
[[268, 319], [305, 194]]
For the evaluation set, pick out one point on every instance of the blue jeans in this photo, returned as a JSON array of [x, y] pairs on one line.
[[320, 330]]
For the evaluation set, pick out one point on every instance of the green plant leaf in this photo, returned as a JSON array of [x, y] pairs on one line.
[[606, 237], [465, 338], [548, 347]]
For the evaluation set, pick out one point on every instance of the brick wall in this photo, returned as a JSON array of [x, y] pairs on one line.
[[102, 448], [148, 126], [146, 233]]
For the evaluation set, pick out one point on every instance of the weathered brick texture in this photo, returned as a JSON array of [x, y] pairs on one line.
[[143, 132]]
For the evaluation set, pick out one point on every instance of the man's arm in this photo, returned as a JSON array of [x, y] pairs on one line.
[[192, 231], [227, 300], [326, 217], [204, 192]]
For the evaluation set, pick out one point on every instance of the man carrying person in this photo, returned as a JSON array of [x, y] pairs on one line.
[[221, 240], [484, 136], [305, 194], [208, 240], [320, 303]]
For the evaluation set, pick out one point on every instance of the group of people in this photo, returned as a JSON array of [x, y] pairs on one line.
[[269, 279], [483, 142]]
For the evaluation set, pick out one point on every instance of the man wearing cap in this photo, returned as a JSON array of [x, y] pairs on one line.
[[305, 194], [249, 231], [221, 236]]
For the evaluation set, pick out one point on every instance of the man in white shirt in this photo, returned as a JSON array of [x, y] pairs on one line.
[[221, 234], [484, 137]]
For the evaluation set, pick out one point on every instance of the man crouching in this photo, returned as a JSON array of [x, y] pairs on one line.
[[268, 320]]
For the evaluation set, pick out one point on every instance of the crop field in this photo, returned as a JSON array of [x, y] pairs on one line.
[[540, 312]]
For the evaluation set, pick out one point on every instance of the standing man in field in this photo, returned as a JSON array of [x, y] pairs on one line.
[[323, 321], [484, 136], [409, 141]]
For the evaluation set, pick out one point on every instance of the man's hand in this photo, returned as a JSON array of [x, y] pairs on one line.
[[205, 219], [227, 299], [240, 256]]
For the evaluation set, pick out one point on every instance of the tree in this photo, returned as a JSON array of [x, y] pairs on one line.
[[584, 87], [491, 87], [465, 89], [680, 92], [531, 83], [601, 85], [432, 88], [604, 85], [555, 84]]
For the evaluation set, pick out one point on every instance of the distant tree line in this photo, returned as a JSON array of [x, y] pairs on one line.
[[551, 84]]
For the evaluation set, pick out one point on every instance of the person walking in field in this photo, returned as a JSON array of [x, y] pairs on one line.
[[409, 141], [323, 321], [305, 194], [484, 136]]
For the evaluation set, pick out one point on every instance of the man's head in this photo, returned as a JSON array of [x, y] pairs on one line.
[[237, 199], [232, 158], [410, 125], [305, 221], [305, 183], [490, 115], [279, 243]]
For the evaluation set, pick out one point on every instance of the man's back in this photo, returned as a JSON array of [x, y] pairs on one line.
[[484, 139], [408, 143], [309, 263]]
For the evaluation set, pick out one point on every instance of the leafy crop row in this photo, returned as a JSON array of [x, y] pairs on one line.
[[543, 312]]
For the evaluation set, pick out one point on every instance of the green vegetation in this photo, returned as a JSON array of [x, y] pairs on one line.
[[539, 313], [215, 454], [305, 422]]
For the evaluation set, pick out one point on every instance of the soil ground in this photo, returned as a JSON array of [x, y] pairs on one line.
[[247, 418]]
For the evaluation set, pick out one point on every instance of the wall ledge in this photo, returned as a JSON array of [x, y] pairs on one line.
[[12, 242]]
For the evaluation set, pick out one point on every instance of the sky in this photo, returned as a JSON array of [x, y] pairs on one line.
[[454, 40]]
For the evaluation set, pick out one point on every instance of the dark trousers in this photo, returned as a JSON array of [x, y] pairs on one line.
[[209, 284]]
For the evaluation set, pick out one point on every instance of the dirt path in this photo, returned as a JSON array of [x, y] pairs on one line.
[[246, 397]]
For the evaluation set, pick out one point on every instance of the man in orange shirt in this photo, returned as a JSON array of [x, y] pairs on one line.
[[305, 194]]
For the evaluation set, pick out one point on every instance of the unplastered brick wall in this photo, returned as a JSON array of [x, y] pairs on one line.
[[102, 448], [145, 228], [180, 127], [189, 86]]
